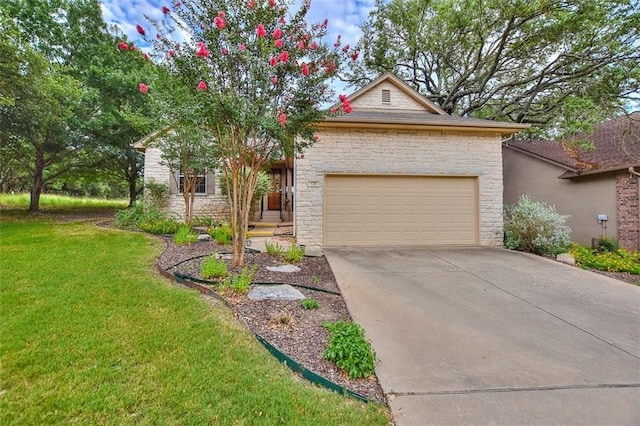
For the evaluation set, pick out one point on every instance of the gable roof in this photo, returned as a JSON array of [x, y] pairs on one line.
[[433, 117], [616, 147]]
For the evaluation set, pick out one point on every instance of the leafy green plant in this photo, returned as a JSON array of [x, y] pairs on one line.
[[156, 194], [205, 221], [240, 283], [315, 279], [213, 268], [349, 349], [309, 303], [274, 248], [535, 227], [159, 225], [130, 217], [184, 235], [221, 234], [620, 260], [607, 244], [294, 254]]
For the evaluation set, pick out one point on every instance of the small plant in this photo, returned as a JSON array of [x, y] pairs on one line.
[[349, 349], [159, 225], [607, 244], [309, 304], [294, 254], [184, 235], [282, 319], [213, 268], [620, 260], [205, 221], [222, 234], [240, 283], [315, 279], [130, 217], [274, 248], [535, 227]]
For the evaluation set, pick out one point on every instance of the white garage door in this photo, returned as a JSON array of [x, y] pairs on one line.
[[401, 210]]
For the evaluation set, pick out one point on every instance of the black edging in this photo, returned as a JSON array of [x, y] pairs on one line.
[[293, 365]]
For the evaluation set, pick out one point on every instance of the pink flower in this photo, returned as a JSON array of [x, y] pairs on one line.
[[277, 33], [342, 98], [146, 56], [272, 3], [333, 110], [140, 30], [345, 49], [273, 62], [338, 42], [300, 44], [202, 85], [316, 138], [143, 88], [251, 4], [330, 67], [242, 47], [123, 46], [201, 50], [221, 14], [279, 43], [305, 69], [274, 80], [165, 10], [282, 118], [313, 45], [132, 48], [324, 24], [348, 109], [354, 55], [283, 20], [261, 31], [284, 57], [225, 51], [219, 21], [172, 53]]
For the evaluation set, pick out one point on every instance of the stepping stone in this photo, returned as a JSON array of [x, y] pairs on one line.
[[204, 237], [283, 268], [274, 292]]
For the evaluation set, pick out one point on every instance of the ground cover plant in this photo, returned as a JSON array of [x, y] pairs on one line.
[[349, 349], [105, 340], [184, 235], [617, 260]]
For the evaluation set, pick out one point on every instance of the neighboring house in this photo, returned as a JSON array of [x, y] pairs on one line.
[[583, 184], [397, 170]]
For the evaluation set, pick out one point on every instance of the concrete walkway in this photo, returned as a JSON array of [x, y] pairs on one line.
[[489, 336]]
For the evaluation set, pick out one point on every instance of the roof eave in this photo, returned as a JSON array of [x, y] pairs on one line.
[[567, 167], [498, 127], [578, 173]]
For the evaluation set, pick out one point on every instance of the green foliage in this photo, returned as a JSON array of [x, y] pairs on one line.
[[240, 283], [145, 218], [535, 227], [159, 225], [349, 349], [213, 268], [156, 194], [130, 217], [309, 303], [619, 260], [184, 235], [274, 248], [294, 254], [315, 279], [205, 221], [61, 202], [222, 234], [607, 244]]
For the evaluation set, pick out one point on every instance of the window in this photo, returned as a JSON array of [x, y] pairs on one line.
[[386, 96], [201, 185]]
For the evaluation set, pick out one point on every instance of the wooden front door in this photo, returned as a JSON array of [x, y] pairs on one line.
[[274, 198]]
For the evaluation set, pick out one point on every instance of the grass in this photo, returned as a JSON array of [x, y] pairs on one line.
[[91, 334], [60, 202]]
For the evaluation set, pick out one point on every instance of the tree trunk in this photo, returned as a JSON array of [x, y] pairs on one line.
[[38, 182], [133, 191]]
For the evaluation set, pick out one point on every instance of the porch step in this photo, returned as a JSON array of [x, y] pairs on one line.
[[265, 224], [260, 233]]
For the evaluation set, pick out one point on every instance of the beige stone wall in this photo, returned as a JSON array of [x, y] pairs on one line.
[[209, 205], [434, 153], [372, 99]]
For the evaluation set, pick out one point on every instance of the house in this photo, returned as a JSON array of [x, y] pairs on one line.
[[397, 170], [598, 188]]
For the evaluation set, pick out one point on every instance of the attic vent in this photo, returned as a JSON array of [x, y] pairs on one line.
[[386, 96]]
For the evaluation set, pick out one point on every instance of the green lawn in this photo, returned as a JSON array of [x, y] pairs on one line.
[[91, 334], [61, 202]]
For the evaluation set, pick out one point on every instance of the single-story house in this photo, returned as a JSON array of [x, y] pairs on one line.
[[397, 170], [598, 188]]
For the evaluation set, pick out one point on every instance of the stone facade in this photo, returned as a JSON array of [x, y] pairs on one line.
[[628, 205], [211, 205], [399, 152]]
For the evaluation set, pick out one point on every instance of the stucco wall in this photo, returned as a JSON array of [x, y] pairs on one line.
[[209, 205], [583, 198], [399, 152]]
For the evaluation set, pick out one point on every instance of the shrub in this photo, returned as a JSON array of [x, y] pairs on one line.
[[240, 283], [159, 225], [156, 194], [309, 304], [205, 221], [274, 249], [607, 244], [184, 235], [130, 217], [294, 254], [620, 260], [222, 234], [535, 227], [349, 349], [213, 268], [146, 218]]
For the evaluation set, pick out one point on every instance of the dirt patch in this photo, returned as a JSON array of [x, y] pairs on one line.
[[295, 331]]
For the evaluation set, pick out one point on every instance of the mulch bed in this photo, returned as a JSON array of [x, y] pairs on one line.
[[295, 331]]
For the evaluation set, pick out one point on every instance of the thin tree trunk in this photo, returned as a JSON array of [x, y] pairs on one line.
[[38, 182], [133, 192]]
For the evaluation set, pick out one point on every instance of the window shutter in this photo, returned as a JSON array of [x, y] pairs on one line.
[[173, 182], [210, 183]]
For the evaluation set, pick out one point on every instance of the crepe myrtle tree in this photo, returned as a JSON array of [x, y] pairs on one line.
[[261, 73]]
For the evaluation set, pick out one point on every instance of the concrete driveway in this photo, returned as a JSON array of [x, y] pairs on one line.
[[490, 336]]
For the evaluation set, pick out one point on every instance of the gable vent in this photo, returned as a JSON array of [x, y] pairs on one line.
[[386, 96]]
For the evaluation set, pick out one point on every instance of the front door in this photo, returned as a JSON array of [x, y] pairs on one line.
[[274, 198]]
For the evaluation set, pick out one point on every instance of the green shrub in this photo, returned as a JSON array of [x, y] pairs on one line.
[[221, 234], [349, 349], [205, 221], [130, 217], [273, 248], [240, 283], [159, 226], [535, 227], [213, 268], [607, 244], [294, 254], [184, 235], [620, 260], [309, 304], [156, 194], [146, 218]]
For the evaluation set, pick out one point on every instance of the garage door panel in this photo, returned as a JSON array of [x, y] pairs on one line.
[[411, 210]]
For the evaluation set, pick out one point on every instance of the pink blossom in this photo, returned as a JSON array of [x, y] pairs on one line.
[[146, 56], [165, 10], [277, 33], [283, 20], [333, 110], [316, 138], [219, 21], [313, 45], [272, 3], [202, 85], [123, 46], [242, 47], [348, 109], [140, 30], [324, 24], [224, 51], [330, 67], [279, 43], [261, 31], [143, 88], [201, 50], [342, 98], [354, 55], [305, 69], [284, 57], [345, 49], [273, 62], [282, 118], [172, 53], [274, 80], [300, 44], [132, 48], [221, 14], [338, 41], [251, 4]]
